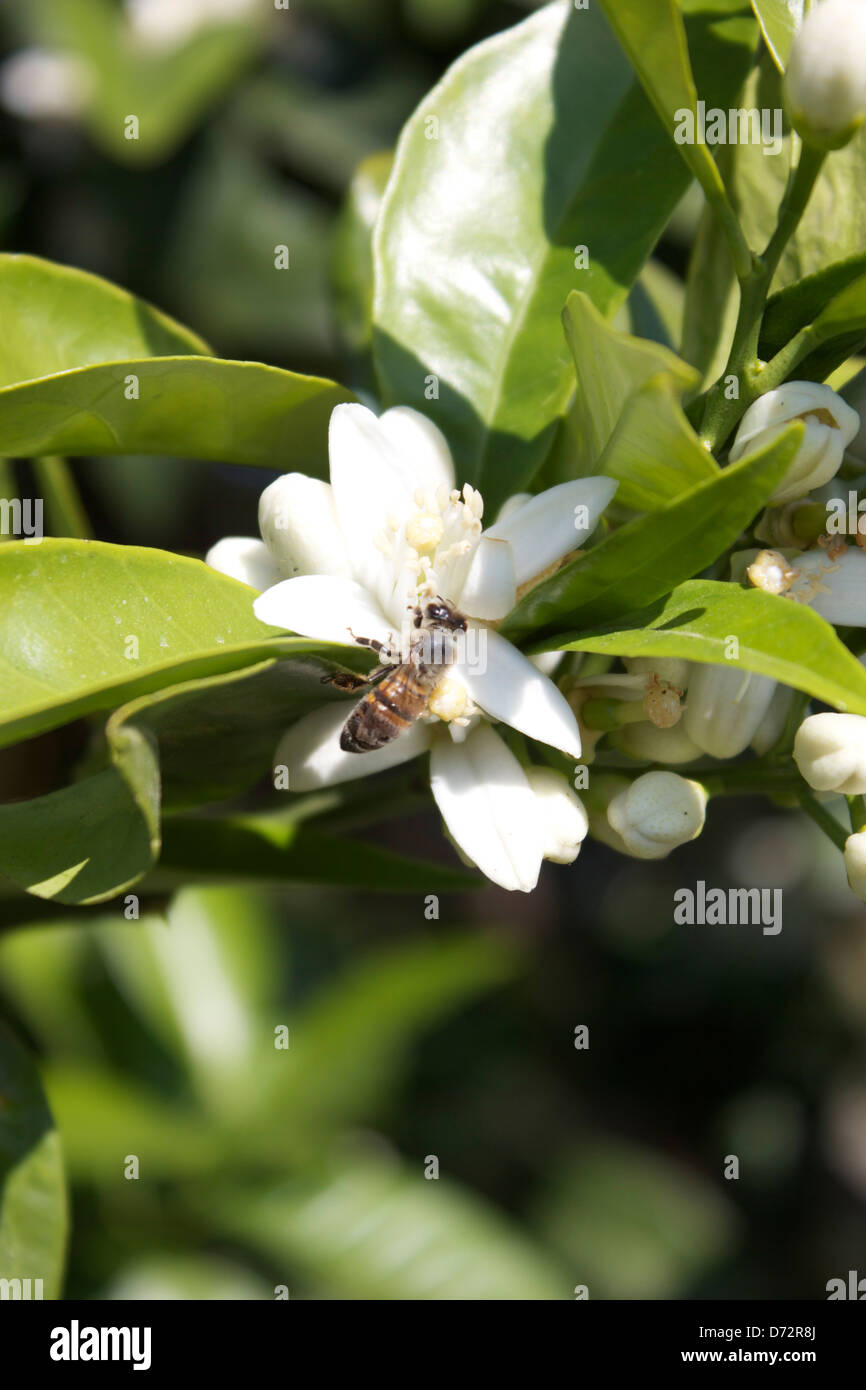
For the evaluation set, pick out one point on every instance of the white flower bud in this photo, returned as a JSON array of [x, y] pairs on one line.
[[725, 707], [825, 81], [298, 522], [563, 819], [830, 423], [665, 668], [830, 751], [658, 812], [653, 745], [855, 863], [769, 731]]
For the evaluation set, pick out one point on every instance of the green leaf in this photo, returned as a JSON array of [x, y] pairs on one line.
[[345, 1227], [544, 139], [350, 1045], [88, 841], [84, 599], [779, 21], [57, 318], [88, 369], [837, 332], [654, 451], [653, 34], [33, 1216], [217, 736], [189, 407], [802, 303], [275, 849], [777, 638], [611, 366], [648, 557]]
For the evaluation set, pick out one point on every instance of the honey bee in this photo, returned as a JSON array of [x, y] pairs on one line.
[[400, 693]]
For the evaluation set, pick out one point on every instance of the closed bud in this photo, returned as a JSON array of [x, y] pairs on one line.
[[825, 81], [563, 818], [725, 708], [650, 744], [658, 812], [830, 751], [830, 423], [855, 863]]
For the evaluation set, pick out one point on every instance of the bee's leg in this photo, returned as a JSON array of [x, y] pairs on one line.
[[372, 642], [347, 680]]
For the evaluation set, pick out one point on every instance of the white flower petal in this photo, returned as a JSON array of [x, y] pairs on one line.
[[507, 686], [490, 590], [489, 807], [243, 558], [312, 754], [321, 606], [298, 521], [563, 817], [377, 465], [549, 525], [421, 448], [834, 588]]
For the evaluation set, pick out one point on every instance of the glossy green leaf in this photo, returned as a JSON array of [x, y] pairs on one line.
[[86, 368], [533, 125], [352, 1042], [653, 34], [92, 839], [777, 638], [654, 451], [57, 319], [274, 849], [217, 736], [189, 407], [346, 1226], [33, 1215], [85, 599], [805, 301], [611, 366], [650, 555], [779, 21]]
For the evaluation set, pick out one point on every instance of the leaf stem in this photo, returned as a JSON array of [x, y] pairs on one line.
[[721, 413], [822, 818]]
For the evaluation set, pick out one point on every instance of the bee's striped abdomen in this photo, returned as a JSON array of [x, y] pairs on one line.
[[385, 712]]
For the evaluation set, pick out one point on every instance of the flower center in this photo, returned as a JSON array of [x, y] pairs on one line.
[[424, 532], [449, 700]]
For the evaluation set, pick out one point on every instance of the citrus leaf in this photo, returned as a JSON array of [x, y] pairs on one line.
[[650, 555], [543, 138], [68, 610], [776, 637]]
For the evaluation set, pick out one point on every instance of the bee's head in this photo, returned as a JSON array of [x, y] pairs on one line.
[[439, 613]]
